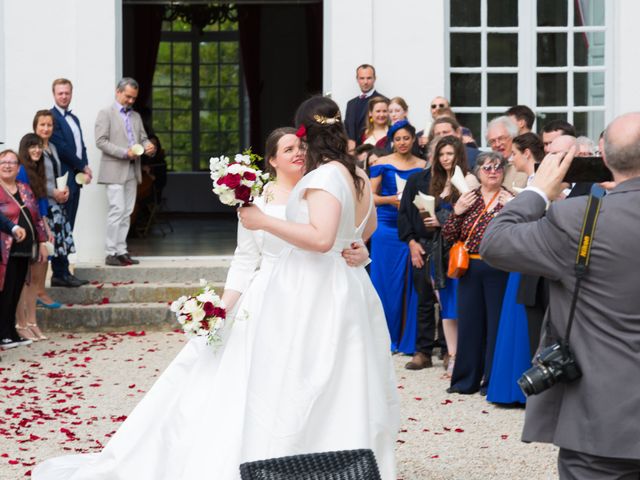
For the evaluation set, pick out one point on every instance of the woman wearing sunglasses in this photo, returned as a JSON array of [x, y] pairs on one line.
[[481, 289]]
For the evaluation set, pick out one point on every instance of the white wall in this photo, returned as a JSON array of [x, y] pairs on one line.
[[623, 78], [76, 39], [404, 40]]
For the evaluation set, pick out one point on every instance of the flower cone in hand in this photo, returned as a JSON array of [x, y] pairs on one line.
[[237, 181]]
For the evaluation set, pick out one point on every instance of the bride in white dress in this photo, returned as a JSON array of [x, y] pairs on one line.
[[189, 425], [321, 375]]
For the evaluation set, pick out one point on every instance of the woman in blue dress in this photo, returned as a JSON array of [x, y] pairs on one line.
[[390, 259], [512, 354], [448, 154]]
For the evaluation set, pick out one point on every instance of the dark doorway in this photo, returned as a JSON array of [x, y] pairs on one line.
[[217, 78]]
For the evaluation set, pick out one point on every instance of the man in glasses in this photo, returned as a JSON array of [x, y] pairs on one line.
[[500, 134], [357, 107]]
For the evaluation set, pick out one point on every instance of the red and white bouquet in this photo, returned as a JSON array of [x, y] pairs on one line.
[[202, 314], [237, 181]]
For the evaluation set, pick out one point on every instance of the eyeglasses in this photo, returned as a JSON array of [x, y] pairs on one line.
[[498, 140], [494, 168], [8, 162], [437, 105]]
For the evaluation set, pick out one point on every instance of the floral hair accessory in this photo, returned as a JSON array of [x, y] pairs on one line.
[[395, 127], [301, 132], [326, 120]]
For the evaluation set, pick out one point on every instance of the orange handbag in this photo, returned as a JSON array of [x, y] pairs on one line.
[[458, 260], [458, 254]]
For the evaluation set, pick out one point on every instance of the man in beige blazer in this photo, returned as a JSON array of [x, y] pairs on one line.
[[594, 419], [119, 132]]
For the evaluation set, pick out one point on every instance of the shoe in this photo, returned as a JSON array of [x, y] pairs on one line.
[[35, 329], [7, 343], [51, 305], [445, 360], [66, 281], [419, 361], [116, 261], [132, 261], [79, 280], [25, 332]]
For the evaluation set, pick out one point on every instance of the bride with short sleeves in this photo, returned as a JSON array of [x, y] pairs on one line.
[[321, 376]]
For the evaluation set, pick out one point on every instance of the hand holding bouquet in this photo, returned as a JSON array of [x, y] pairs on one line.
[[237, 181], [202, 314]]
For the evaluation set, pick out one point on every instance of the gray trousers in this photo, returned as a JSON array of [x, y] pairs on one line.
[[582, 466]]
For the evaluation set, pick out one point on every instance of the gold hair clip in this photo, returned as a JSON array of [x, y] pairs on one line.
[[326, 121]]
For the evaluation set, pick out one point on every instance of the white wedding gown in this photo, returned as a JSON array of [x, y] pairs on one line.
[[306, 369]]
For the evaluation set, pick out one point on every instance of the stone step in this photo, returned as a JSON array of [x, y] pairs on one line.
[[108, 317], [167, 271], [118, 292]]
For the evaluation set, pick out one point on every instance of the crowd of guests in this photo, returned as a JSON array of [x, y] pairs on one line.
[[486, 324], [41, 184]]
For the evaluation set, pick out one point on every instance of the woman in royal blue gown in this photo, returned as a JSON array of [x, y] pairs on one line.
[[390, 259], [512, 354]]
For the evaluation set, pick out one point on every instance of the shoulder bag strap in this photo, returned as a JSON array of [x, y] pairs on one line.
[[486, 207]]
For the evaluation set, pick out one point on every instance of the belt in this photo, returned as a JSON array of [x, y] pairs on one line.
[[475, 256]]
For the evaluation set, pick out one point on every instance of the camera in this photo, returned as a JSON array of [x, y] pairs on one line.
[[554, 364]]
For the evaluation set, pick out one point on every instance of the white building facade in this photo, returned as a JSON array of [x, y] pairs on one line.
[[563, 58]]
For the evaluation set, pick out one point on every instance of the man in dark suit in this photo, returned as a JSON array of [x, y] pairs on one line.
[[593, 419], [355, 117], [68, 139]]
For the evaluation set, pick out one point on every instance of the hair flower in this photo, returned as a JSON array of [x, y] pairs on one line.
[[301, 132]]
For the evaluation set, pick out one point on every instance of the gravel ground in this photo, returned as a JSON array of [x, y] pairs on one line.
[[70, 393]]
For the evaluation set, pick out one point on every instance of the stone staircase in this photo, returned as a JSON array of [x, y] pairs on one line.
[[137, 296]]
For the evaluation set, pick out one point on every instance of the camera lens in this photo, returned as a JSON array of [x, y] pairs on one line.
[[535, 380]]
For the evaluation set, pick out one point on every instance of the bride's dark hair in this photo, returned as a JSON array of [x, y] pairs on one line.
[[326, 138]]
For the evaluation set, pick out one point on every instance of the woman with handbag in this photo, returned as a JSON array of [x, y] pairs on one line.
[[449, 153], [20, 206], [481, 287]]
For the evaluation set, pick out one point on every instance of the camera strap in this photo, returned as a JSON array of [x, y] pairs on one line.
[[584, 253]]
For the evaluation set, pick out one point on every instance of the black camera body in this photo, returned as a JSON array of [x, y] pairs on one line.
[[554, 364]]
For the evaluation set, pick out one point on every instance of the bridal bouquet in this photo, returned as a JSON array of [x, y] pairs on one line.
[[202, 314], [237, 181]]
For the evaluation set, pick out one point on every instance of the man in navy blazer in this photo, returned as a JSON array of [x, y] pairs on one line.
[[68, 139], [355, 117]]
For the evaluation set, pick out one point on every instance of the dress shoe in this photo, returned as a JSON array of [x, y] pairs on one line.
[[132, 261], [419, 361], [66, 281], [116, 261], [79, 280]]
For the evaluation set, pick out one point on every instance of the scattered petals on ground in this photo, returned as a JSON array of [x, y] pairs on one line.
[[70, 394]]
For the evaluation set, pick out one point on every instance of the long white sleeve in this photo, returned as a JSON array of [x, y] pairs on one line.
[[246, 259]]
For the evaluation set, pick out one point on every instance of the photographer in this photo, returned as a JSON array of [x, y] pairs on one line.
[[593, 419]]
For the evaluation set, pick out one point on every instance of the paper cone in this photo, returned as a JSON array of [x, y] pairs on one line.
[[61, 182], [458, 181], [425, 203], [137, 149], [81, 178], [400, 183]]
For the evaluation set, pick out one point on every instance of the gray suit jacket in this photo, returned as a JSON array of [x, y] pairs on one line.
[[597, 414], [112, 140]]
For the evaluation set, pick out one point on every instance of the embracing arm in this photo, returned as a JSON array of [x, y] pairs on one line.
[[318, 235], [244, 263]]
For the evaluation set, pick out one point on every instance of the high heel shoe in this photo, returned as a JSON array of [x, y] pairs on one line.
[[36, 331], [52, 305], [26, 333]]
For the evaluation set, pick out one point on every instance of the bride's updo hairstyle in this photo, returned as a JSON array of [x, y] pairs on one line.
[[319, 120]]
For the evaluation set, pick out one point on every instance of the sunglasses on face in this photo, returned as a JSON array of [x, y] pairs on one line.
[[437, 105], [494, 168]]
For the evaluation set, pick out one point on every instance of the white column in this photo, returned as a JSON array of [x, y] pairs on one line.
[[76, 39], [404, 40], [622, 80]]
